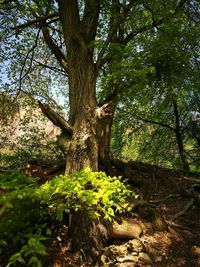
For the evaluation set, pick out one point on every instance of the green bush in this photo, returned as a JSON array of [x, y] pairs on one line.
[[95, 191], [27, 209]]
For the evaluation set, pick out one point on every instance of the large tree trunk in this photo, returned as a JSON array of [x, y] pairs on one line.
[[82, 146], [82, 149], [88, 235]]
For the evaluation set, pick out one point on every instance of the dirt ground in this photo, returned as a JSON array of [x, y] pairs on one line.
[[170, 238], [179, 245]]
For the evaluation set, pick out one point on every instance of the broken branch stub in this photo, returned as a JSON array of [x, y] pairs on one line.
[[55, 118]]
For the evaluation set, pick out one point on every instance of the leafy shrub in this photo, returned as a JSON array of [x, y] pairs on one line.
[[34, 248], [23, 220], [27, 209], [95, 191]]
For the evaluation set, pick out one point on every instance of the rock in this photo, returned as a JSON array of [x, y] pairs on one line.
[[112, 252], [103, 259], [135, 245], [145, 258], [126, 230], [128, 254], [158, 259], [125, 264], [109, 252], [129, 258], [120, 250]]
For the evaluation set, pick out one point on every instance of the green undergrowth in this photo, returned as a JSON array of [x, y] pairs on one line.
[[28, 210]]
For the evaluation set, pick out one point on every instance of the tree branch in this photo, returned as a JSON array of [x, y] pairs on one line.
[[32, 22], [116, 32], [89, 22], [31, 50], [55, 118], [61, 71], [55, 49], [155, 23], [121, 19], [112, 95], [69, 17], [157, 123], [113, 26]]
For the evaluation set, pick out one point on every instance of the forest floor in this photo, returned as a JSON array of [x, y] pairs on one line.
[[170, 221]]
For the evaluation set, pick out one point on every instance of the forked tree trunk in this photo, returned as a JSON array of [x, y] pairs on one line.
[[82, 146], [85, 138]]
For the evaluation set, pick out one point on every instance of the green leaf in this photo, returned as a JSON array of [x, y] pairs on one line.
[[15, 258], [34, 261]]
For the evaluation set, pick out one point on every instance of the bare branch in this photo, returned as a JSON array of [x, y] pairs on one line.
[[55, 49], [55, 118], [35, 21], [157, 123], [31, 50], [61, 71]]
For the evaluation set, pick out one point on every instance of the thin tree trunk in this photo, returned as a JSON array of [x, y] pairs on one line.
[[104, 144], [179, 138]]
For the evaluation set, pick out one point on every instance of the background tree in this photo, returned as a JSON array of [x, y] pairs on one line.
[[163, 105]]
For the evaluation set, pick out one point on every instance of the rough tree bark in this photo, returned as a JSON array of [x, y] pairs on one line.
[[80, 138]]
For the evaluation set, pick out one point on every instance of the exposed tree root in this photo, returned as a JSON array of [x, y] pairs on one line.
[[165, 198], [141, 203], [173, 224], [182, 212]]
